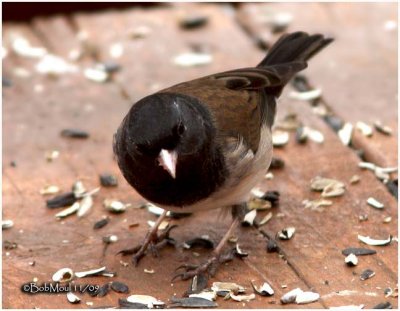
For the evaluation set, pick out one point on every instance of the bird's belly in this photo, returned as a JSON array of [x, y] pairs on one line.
[[246, 174]]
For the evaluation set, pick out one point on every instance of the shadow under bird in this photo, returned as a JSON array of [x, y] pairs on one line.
[[205, 143]]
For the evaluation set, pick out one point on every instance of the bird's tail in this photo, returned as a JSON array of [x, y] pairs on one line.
[[294, 47]]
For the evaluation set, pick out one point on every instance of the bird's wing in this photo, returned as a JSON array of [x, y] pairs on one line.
[[239, 100]]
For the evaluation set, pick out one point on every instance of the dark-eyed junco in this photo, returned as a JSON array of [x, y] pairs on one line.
[[206, 143]]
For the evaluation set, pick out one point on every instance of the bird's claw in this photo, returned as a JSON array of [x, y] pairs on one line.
[[154, 242]]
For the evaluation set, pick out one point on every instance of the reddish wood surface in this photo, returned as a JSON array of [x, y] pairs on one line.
[[32, 123]]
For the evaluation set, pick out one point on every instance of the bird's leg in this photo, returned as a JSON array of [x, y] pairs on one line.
[[151, 239], [211, 265]]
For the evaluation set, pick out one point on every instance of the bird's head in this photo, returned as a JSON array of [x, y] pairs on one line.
[[161, 130]]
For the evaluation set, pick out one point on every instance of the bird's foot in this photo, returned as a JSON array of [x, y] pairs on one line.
[[153, 241], [207, 269]]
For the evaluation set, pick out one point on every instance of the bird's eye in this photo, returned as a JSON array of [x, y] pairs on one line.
[[180, 129]]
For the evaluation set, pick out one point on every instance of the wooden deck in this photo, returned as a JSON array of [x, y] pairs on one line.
[[358, 78]]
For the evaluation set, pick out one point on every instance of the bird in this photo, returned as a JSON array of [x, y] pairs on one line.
[[205, 143]]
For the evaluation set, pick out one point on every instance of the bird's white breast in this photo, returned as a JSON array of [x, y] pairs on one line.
[[246, 171]]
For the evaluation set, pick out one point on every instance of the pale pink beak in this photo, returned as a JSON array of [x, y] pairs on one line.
[[168, 159]]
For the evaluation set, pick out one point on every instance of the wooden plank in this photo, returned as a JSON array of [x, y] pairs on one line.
[[85, 21], [317, 239], [358, 73], [51, 255]]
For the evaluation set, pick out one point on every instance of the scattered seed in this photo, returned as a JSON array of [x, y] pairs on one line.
[[272, 246], [351, 260], [101, 223], [78, 189], [266, 218], [239, 252], [108, 180], [154, 209], [114, 206], [393, 187], [96, 75], [367, 274], [116, 50], [272, 196], [209, 295], [382, 128], [151, 271], [202, 242], [320, 183], [345, 133], [258, 204], [314, 135], [242, 297], [364, 128], [85, 206], [192, 302], [110, 239], [301, 135], [269, 176], [280, 138], [139, 32], [6, 224], [363, 217], [387, 219], [249, 218], [61, 200], [72, 298], [192, 22], [198, 284], [290, 296], [306, 297], [286, 234], [388, 292], [354, 179], [149, 301], [227, 287], [32, 263], [52, 155], [106, 273], [264, 290], [373, 242], [74, 133], [306, 95], [367, 165], [103, 290], [289, 123], [22, 47], [50, 189], [375, 203], [380, 174], [358, 251], [316, 204], [164, 224], [9, 245], [119, 287], [192, 59], [277, 163], [68, 211], [83, 274], [54, 65], [383, 305], [333, 190], [63, 275]]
